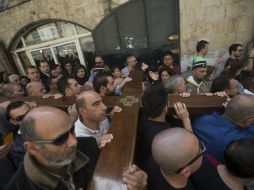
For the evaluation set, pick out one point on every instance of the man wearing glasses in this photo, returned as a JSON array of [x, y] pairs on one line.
[[131, 63], [52, 160], [178, 154], [15, 113], [99, 66]]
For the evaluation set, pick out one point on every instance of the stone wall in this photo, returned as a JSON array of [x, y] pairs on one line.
[[88, 13], [221, 22]]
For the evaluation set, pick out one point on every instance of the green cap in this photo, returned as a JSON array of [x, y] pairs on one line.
[[198, 62]]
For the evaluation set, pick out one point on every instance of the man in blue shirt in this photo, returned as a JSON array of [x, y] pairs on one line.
[[217, 130]]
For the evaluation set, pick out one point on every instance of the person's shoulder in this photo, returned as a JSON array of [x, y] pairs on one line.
[[201, 179], [89, 147], [20, 181], [208, 117]]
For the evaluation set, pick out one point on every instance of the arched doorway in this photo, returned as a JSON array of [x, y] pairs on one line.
[[56, 41]]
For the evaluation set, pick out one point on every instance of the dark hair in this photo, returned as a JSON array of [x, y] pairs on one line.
[[62, 84], [154, 99], [11, 106], [166, 53], [3, 77], [201, 45], [64, 71], [31, 67], [79, 103], [115, 67], [54, 66], [27, 129], [169, 71], [100, 79], [42, 61], [239, 157], [233, 47], [234, 66], [76, 68], [220, 84], [24, 77]]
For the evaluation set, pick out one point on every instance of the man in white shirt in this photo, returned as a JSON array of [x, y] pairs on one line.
[[92, 121]]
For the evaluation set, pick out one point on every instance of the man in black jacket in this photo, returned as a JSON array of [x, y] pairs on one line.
[[53, 160]]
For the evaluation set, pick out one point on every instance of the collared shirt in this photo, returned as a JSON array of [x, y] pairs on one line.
[[49, 180], [125, 72], [82, 131], [202, 87], [216, 132], [147, 131]]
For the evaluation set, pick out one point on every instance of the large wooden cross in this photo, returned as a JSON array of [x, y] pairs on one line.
[[118, 156]]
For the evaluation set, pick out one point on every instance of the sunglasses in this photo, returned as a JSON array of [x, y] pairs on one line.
[[59, 140], [202, 151]]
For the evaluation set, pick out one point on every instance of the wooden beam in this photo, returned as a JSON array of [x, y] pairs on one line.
[[198, 104], [61, 103], [118, 156]]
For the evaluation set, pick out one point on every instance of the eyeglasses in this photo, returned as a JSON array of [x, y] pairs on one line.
[[132, 61], [59, 140], [202, 151]]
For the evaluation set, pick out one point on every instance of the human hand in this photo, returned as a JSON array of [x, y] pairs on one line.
[[45, 96], [185, 94], [225, 104], [105, 139], [154, 76], [181, 110], [135, 178], [116, 109], [57, 96], [144, 66], [127, 79], [5, 149], [32, 104], [221, 94], [206, 94]]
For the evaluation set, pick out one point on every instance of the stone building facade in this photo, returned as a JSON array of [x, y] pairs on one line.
[[221, 22]]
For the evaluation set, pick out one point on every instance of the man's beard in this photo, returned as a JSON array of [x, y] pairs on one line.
[[59, 160]]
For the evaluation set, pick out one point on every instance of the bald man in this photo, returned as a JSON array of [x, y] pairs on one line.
[[52, 160], [217, 130], [11, 90], [177, 154], [92, 121], [35, 88]]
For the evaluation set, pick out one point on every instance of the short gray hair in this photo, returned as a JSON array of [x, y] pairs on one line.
[[27, 129], [80, 103], [172, 83], [13, 77], [8, 89]]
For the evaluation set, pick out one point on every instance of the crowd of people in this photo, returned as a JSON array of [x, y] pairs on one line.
[[46, 148]]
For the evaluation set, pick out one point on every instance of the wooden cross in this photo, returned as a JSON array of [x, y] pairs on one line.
[[118, 156]]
